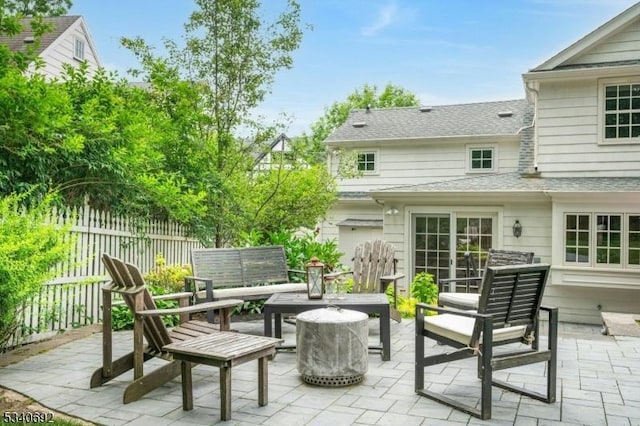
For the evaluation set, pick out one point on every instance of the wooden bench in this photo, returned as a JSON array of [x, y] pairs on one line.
[[248, 273]]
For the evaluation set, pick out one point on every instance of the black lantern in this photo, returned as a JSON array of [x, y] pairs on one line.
[[315, 278], [517, 229]]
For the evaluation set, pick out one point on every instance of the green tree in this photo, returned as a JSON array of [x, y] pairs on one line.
[[29, 249], [336, 115], [209, 86]]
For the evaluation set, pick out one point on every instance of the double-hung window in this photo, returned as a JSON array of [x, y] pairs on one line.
[[621, 112], [610, 240], [78, 49]]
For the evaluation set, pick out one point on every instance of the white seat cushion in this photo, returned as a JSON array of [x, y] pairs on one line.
[[459, 328], [258, 290], [468, 300]]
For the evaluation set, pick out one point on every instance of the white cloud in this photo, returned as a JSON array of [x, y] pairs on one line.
[[387, 15]]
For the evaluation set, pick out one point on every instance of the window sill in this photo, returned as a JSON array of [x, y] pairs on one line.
[[605, 278]]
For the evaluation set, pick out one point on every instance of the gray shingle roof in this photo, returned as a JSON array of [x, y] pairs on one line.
[[441, 121], [510, 182], [60, 25]]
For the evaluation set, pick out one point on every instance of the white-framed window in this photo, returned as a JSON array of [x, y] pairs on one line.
[[367, 162], [78, 49], [619, 105], [481, 159], [602, 239]]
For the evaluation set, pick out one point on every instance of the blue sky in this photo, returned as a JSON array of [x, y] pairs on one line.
[[444, 51]]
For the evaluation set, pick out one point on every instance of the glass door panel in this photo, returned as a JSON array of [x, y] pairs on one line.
[[432, 245]]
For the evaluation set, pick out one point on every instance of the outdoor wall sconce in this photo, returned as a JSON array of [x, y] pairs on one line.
[[315, 278], [517, 229], [392, 211]]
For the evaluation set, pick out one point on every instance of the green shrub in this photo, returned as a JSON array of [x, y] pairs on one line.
[[170, 278], [423, 289], [122, 318], [299, 248], [30, 248]]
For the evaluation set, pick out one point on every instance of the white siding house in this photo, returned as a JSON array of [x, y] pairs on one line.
[[69, 42], [564, 164]]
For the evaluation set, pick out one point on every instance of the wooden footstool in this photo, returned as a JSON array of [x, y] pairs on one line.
[[223, 350]]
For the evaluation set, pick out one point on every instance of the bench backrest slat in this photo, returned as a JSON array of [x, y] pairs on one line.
[[240, 267]]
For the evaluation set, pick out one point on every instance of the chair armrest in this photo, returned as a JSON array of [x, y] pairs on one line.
[[444, 281], [334, 275], [208, 306], [453, 311], [394, 277], [296, 271]]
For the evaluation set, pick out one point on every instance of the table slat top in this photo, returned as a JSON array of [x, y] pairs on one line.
[[223, 345]]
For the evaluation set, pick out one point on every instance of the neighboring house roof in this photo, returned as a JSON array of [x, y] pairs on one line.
[[281, 138], [474, 119], [563, 59], [510, 182], [19, 41], [60, 24]]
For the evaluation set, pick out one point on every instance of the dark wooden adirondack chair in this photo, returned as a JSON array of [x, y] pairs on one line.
[[374, 269], [128, 282], [472, 284], [507, 313]]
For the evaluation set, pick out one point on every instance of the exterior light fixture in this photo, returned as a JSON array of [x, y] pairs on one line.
[[392, 211], [517, 229], [315, 278]]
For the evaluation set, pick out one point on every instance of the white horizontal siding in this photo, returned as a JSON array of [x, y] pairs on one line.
[[568, 134], [62, 50], [416, 164], [619, 47]]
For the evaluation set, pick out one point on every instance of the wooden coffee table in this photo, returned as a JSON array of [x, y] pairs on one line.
[[294, 303]]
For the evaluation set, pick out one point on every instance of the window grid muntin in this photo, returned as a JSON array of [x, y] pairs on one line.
[[613, 239], [367, 162], [622, 111], [577, 238], [78, 49], [608, 239], [481, 158]]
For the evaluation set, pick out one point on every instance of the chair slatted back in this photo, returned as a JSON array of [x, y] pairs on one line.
[[372, 260], [512, 295], [504, 258], [268, 262], [129, 283]]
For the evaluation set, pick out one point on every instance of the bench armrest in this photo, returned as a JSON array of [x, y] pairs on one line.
[[296, 271], [208, 306]]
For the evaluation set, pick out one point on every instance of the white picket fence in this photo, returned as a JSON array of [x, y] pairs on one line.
[[74, 298]]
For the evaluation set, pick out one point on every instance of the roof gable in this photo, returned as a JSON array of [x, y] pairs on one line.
[[592, 48], [61, 25]]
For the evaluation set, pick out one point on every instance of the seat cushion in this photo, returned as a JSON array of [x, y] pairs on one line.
[[459, 328], [258, 290], [460, 300]]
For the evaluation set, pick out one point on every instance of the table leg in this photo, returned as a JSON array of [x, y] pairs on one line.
[[263, 381], [278, 325], [187, 386], [385, 334], [225, 393], [267, 322]]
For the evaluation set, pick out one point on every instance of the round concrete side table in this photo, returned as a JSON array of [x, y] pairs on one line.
[[332, 346]]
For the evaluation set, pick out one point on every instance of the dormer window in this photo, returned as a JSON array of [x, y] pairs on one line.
[[78, 49]]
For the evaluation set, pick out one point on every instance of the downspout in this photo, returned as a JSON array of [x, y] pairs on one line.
[[534, 91]]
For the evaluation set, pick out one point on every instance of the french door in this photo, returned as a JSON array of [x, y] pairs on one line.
[[440, 241]]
